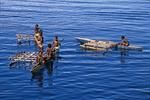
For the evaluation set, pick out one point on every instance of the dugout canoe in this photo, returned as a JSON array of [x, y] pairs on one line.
[[38, 67], [100, 44]]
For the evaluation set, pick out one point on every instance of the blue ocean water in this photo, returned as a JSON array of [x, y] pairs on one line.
[[78, 74]]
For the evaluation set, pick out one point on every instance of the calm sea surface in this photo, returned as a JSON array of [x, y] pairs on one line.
[[77, 74]]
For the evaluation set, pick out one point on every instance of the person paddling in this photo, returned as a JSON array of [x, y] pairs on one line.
[[124, 41]]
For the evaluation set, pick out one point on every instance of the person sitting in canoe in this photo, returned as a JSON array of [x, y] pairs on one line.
[[56, 42], [36, 29], [49, 51], [124, 41]]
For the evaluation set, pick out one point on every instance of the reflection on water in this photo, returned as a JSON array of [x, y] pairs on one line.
[[49, 67], [21, 65], [88, 52], [38, 76], [123, 55]]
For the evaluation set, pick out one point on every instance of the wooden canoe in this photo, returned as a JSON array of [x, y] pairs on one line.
[[100, 44], [38, 67]]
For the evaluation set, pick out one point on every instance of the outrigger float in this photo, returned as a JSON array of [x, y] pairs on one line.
[[103, 45], [23, 57], [21, 38]]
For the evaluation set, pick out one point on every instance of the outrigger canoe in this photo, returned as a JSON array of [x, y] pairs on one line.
[[38, 67], [23, 57], [101, 45]]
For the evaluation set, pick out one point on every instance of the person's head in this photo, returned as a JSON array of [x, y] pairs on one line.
[[36, 25], [122, 37], [49, 45], [56, 37], [37, 28]]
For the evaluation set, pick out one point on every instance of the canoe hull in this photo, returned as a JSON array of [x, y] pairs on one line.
[[92, 48], [37, 68], [99, 45]]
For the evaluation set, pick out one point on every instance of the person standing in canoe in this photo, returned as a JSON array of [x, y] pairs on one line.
[[124, 41], [39, 59], [49, 51], [39, 39]]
